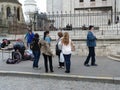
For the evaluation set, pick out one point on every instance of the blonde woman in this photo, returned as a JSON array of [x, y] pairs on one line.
[[66, 45]]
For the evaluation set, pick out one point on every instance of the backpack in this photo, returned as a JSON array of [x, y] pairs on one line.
[[34, 44], [16, 58], [11, 61], [58, 51]]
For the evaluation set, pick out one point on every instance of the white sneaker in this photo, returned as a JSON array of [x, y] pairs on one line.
[[37, 68]]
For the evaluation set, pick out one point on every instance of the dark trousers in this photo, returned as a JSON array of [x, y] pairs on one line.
[[60, 63], [91, 55], [36, 58], [46, 58], [67, 61]]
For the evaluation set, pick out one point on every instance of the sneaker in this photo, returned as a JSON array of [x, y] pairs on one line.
[[87, 65], [59, 66], [36, 68], [62, 67]]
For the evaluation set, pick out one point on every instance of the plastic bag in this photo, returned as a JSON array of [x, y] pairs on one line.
[[61, 57]]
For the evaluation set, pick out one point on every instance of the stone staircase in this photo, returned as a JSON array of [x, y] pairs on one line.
[[115, 57]]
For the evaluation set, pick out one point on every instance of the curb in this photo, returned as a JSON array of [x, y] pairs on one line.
[[113, 80], [114, 59]]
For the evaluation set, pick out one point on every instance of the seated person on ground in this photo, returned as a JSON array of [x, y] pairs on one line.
[[19, 46]]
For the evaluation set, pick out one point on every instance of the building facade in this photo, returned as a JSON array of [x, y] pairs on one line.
[[73, 5], [12, 16], [80, 12], [30, 7]]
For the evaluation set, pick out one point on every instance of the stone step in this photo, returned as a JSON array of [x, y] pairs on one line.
[[118, 53], [114, 58]]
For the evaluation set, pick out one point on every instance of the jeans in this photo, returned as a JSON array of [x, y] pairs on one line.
[[46, 58], [91, 55], [36, 58], [67, 62]]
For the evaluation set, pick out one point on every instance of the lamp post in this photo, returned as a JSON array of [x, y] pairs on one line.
[[115, 10]]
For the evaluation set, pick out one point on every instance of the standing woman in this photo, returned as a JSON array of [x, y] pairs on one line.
[[36, 50], [46, 51], [67, 50], [47, 37], [60, 35]]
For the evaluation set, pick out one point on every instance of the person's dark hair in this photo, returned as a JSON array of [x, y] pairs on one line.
[[90, 27], [36, 35], [60, 34], [45, 33]]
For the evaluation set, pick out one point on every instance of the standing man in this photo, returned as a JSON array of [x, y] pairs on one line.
[[91, 43], [29, 36]]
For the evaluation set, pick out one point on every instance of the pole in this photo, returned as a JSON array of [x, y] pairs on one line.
[[115, 11]]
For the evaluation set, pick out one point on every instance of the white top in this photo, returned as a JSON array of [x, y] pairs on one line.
[[66, 49]]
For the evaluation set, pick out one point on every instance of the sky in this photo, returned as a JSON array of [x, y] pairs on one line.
[[41, 4]]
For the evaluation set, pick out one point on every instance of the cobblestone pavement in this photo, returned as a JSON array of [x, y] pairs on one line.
[[21, 83]]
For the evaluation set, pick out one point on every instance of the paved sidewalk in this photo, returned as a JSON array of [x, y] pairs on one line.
[[105, 68]]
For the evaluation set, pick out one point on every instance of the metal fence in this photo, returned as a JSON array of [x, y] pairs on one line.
[[80, 21]]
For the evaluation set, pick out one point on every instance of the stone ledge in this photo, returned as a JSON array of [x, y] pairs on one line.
[[64, 77], [114, 58]]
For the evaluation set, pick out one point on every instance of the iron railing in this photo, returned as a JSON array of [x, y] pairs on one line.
[[80, 21]]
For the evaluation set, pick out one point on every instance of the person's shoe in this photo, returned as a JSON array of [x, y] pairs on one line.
[[62, 67], [46, 71], [59, 66], [87, 65], [51, 71], [94, 65], [67, 71], [37, 68]]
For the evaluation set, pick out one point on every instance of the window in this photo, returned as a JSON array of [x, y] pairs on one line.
[[8, 10], [92, 0], [81, 0], [18, 14]]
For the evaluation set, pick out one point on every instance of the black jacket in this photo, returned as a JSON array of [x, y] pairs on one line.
[[34, 45]]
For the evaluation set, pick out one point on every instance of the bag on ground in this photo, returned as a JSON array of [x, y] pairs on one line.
[[28, 55], [61, 57], [11, 61]]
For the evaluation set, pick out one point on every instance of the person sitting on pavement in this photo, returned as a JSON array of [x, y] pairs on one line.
[[19, 46]]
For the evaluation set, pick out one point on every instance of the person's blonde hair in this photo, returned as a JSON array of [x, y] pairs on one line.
[[65, 39]]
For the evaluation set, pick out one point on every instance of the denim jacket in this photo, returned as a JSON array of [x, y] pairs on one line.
[[91, 39]]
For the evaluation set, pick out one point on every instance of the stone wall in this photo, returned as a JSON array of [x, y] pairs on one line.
[[103, 48], [106, 44]]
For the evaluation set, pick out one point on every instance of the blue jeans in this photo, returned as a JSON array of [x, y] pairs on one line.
[[36, 58], [67, 61]]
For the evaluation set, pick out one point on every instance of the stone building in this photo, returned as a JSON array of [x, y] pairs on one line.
[[73, 5], [12, 16], [30, 7], [102, 10]]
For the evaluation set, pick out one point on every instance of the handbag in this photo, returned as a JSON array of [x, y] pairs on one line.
[[72, 47], [58, 51]]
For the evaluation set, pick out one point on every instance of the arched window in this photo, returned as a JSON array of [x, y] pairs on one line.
[[8, 11], [18, 14], [15, 11]]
